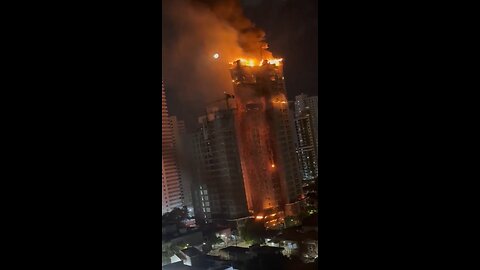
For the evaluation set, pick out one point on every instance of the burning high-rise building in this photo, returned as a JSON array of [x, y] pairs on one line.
[[267, 151], [306, 131]]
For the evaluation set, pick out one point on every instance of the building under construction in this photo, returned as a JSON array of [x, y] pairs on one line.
[[218, 187], [267, 150]]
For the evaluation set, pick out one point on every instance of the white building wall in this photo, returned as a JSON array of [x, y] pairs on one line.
[[171, 186]]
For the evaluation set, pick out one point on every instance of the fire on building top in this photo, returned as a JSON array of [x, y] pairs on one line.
[[254, 62]]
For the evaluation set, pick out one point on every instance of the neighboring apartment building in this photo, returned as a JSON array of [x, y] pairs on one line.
[[306, 135], [181, 157], [171, 186], [218, 188]]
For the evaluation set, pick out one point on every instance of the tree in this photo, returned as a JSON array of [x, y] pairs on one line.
[[214, 240], [291, 221], [167, 252], [254, 231], [176, 216], [166, 256]]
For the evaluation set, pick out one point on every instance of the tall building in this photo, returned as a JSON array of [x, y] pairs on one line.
[[306, 129], [306, 145], [218, 188], [305, 103], [171, 186], [179, 143], [268, 159]]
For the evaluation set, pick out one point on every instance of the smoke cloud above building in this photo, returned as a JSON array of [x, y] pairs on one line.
[[194, 31]]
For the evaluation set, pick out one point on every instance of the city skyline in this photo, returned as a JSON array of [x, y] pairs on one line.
[[246, 159]]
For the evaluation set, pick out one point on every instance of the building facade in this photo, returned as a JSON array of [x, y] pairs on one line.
[[172, 196], [306, 135], [306, 145], [268, 159], [305, 103], [218, 188], [180, 143]]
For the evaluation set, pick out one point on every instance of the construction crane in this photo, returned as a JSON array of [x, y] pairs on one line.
[[226, 98]]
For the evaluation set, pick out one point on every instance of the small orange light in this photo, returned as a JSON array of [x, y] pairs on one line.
[[259, 217], [273, 165]]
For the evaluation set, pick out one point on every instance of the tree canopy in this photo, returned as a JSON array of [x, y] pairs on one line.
[[176, 216], [253, 231]]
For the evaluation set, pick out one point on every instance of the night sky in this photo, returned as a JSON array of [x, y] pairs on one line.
[[291, 28]]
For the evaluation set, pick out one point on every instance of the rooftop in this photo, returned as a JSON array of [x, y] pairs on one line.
[[233, 249], [178, 266], [266, 249], [191, 252]]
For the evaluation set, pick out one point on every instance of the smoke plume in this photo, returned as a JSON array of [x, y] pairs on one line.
[[193, 31]]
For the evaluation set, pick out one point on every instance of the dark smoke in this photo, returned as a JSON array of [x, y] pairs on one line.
[[193, 31]]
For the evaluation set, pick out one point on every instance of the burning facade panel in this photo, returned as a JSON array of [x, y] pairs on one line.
[[270, 169]]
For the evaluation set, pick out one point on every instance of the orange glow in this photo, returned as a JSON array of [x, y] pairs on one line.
[[280, 100], [254, 62], [254, 131], [275, 62]]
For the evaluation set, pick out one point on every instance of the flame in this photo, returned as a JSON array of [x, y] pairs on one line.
[[279, 101], [275, 62], [254, 62], [259, 217], [273, 165]]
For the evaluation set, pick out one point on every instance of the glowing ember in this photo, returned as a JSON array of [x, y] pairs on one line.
[[259, 217], [273, 165], [216, 56]]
